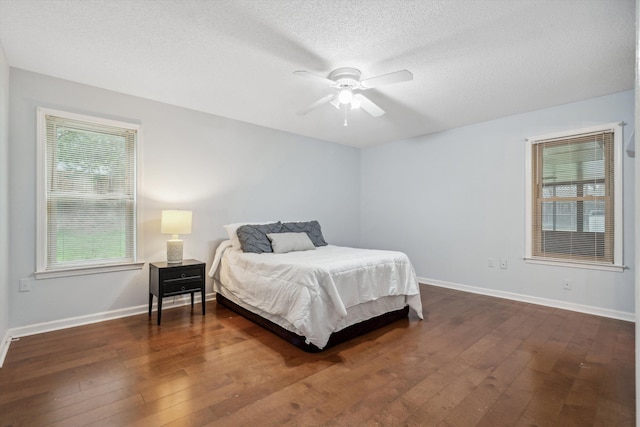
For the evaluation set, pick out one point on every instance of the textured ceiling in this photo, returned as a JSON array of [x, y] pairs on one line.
[[472, 60]]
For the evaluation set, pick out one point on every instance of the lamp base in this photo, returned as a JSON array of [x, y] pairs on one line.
[[174, 251]]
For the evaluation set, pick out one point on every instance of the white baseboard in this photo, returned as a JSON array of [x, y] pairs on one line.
[[71, 322], [588, 309], [4, 347]]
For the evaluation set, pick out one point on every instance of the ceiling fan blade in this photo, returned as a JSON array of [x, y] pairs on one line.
[[367, 105], [387, 79], [315, 77], [316, 104]]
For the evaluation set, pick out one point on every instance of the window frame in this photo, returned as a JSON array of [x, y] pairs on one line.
[[618, 262], [42, 270]]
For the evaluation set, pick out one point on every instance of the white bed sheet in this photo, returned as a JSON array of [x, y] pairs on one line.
[[312, 290]]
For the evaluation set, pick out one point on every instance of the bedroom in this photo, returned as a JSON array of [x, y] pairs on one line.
[[226, 170]]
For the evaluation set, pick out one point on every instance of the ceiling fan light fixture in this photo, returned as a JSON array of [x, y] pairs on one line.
[[355, 103], [345, 96]]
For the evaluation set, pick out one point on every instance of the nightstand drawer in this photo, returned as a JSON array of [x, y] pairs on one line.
[[182, 274], [181, 286]]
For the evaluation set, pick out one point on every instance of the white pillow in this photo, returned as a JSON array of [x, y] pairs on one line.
[[232, 228], [288, 242]]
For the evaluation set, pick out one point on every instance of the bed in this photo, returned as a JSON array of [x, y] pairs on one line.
[[313, 294]]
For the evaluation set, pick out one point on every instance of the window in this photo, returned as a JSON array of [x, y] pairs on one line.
[[87, 192], [574, 187]]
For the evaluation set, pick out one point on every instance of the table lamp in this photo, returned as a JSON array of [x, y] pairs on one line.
[[175, 222]]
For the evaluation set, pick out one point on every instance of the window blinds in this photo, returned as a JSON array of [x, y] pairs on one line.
[[90, 193], [573, 198]]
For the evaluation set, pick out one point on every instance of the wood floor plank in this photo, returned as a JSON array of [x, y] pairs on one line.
[[474, 361], [610, 413], [546, 404], [440, 405]]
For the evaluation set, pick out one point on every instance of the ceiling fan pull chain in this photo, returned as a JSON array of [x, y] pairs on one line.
[[345, 116]]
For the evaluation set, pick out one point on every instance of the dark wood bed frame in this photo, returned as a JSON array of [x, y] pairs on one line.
[[299, 341]]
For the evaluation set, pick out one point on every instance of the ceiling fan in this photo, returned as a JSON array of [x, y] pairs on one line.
[[347, 81]]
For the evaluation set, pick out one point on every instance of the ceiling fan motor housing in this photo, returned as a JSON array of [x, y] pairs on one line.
[[346, 78]]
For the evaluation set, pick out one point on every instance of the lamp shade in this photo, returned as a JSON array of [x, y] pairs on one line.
[[176, 222]]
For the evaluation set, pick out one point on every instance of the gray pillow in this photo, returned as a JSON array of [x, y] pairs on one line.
[[253, 237], [312, 228], [289, 242]]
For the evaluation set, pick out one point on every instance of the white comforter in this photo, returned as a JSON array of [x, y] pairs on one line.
[[313, 289]]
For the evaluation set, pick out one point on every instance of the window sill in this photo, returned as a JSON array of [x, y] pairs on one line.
[[576, 264], [80, 271]]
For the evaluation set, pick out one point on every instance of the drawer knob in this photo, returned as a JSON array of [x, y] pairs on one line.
[[183, 288], [183, 275]]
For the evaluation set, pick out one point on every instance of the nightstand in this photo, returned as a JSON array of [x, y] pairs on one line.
[[165, 280]]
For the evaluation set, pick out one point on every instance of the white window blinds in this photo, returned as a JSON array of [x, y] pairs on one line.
[[573, 195], [90, 193]]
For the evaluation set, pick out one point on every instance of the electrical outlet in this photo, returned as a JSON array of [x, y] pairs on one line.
[[25, 285], [503, 263], [491, 262], [566, 284]]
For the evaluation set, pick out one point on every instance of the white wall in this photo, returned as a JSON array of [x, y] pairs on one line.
[[4, 197], [454, 199], [637, 213], [223, 170]]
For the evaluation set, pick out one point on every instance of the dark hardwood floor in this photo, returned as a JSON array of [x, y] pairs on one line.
[[473, 361]]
